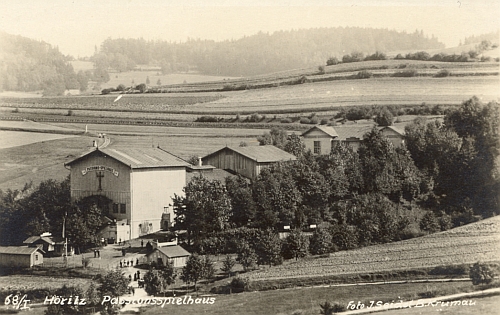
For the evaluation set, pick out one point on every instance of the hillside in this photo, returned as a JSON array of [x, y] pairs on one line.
[[260, 53], [467, 244]]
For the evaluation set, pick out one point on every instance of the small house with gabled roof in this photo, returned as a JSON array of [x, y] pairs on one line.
[[319, 139], [139, 181], [20, 256], [247, 161], [174, 254], [51, 245]]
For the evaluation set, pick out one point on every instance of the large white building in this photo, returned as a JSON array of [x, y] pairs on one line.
[[140, 183]]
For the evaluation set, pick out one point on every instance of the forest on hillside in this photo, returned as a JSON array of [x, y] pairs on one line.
[[257, 54], [32, 65]]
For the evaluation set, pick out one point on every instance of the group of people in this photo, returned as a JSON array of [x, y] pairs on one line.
[[128, 263]]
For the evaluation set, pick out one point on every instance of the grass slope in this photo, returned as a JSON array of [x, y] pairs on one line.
[[479, 241]]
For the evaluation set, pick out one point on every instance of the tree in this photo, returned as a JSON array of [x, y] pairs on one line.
[[276, 137], [157, 280], [268, 248], [384, 117], [246, 255], [481, 273], [227, 265], [242, 204], [430, 223], [478, 125], [208, 268], [276, 196], [321, 241], [141, 87], [294, 145], [113, 283], [332, 61], [152, 282], [296, 245], [205, 208], [193, 270]]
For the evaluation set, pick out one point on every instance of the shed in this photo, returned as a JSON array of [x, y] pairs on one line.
[[175, 254], [20, 256], [52, 245], [247, 161]]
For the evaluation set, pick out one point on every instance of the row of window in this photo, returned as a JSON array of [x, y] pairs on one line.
[[119, 208]]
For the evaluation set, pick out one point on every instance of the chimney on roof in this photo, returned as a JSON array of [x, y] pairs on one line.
[[200, 162]]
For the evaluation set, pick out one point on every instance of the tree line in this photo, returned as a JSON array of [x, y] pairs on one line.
[[257, 54]]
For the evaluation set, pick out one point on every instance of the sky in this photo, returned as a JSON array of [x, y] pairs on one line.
[[78, 26]]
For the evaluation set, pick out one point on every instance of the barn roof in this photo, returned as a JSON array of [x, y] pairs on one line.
[[396, 129], [33, 239], [329, 130], [18, 250], [213, 174], [173, 251], [346, 132], [138, 157], [261, 153]]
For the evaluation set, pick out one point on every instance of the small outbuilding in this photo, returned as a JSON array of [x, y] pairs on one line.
[[175, 254], [247, 161], [52, 245], [20, 256]]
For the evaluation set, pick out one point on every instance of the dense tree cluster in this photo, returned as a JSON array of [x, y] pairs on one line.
[[48, 208], [445, 176], [256, 54]]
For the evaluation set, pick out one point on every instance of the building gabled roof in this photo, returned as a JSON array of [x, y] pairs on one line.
[[18, 250], [211, 174], [173, 251], [260, 153], [396, 129], [138, 157], [352, 132], [52, 240], [329, 130]]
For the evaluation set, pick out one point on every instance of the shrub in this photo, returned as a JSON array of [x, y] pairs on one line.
[[429, 223], [330, 309], [406, 73], [106, 91], [323, 121], [445, 222], [239, 285], [208, 119], [364, 74], [314, 120], [255, 117], [332, 61], [443, 73], [481, 273], [321, 69], [305, 120], [286, 121]]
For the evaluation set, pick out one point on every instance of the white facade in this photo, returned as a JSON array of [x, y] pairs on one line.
[[151, 196]]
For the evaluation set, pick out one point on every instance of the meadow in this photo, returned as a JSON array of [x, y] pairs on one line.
[[474, 242]]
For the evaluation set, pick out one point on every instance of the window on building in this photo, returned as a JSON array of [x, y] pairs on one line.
[[317, 147], [36, 257], [115, 208], [123, 208]]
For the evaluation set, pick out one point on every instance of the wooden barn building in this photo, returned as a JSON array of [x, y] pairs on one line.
[[20, 256], [247, 161], [140, 183], [175, 254]]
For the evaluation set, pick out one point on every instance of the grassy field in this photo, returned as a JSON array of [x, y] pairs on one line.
[[479, 241], [304, 98], [306, 301]]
